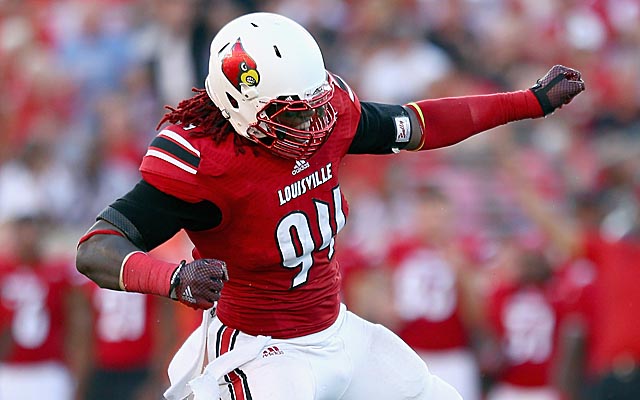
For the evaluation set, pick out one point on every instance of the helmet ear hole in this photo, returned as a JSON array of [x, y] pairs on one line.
[[232, 100]]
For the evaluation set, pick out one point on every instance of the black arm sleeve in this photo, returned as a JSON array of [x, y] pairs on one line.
[[149, 217], [380, 129]]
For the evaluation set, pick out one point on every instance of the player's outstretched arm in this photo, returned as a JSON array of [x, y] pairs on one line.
[[107, 257], [447, 121]]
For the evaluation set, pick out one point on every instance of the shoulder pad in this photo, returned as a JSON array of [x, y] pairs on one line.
[[172, 160], [173, 148], [341, 84]]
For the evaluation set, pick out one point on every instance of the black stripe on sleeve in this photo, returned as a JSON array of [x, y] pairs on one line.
[[150, 217], [176, 150], [115, 218]]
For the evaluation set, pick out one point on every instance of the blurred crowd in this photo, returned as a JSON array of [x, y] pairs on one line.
[[507, 261]]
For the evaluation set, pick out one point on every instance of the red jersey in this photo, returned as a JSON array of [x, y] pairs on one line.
[[5, 317], [426, 298], [123, 324], [616, 304], [279, 220], [526, 320], [35, 297]]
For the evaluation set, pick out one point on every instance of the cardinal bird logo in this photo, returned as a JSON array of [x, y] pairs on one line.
[[239, 67]]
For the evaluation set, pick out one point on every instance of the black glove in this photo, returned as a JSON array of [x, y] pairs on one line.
[[558, 87], [198, 283]]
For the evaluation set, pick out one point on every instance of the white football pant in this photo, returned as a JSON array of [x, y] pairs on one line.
[[352, 360]]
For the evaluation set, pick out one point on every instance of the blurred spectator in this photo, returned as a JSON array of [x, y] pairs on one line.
[[95, 47], [167, 46], [111, 163], [402, 68], [44, 356], [35, 181], [36, 95]]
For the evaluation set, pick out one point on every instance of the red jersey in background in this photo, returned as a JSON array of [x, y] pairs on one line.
[[35, 296], [526, 319], [614, 337], [123, 328], [426, 297]]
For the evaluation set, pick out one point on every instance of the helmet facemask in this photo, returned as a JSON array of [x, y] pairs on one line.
[[294, 128]]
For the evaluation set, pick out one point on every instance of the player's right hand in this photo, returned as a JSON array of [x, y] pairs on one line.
[[198, 284], [557, 88]]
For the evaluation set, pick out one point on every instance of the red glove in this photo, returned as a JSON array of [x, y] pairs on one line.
[[198, 283], [558, 87]]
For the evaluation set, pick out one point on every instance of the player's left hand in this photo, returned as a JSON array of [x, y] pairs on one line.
[[557, 88], [198, 284]]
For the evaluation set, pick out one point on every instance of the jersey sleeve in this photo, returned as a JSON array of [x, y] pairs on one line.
[[347, 105], [150, 217], [342, 85], [171, 163]]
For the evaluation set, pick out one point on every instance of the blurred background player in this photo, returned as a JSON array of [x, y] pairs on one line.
[[434, 292], [525, 313], [128, 355], [604, 232], [46, 326]]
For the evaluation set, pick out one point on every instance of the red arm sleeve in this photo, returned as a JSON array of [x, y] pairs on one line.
[[451, 120]]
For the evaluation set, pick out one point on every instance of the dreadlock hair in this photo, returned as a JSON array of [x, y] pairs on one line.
[[200, 111]]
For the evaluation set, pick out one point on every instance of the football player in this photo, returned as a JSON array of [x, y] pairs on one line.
[[41, 320], [249, 168], [433, 273], [602, 353], [525, 311]]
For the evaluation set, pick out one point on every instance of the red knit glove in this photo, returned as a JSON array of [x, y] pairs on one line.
[[557, 88], [198, 283]]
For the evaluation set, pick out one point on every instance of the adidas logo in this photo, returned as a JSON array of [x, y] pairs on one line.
[[271, 351], [300, 166], [187, 295]]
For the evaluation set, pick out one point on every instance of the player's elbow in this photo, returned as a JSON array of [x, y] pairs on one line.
[[84, 259], [100, 253], [90, 261]]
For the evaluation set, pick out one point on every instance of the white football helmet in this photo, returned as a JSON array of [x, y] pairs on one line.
[[267, 76]]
